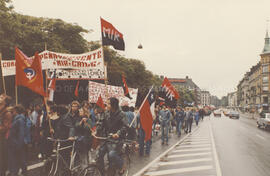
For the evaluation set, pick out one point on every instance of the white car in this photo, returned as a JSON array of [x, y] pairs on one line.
[[217, 113], [264, 121]]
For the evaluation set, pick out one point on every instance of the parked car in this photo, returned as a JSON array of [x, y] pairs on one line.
[[234, 115], [217, 113], [264, 121]]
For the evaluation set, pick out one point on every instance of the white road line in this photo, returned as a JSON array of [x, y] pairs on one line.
[[184, 162], [34, 166], [193, 146], [175, 171], [190, 143], [218, 169], [160, 156], [259, 136], [191, 154], [191, 150]]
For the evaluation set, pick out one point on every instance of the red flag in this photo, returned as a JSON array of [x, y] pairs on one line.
[[170, 90], [147, 114], [100, 102], [125, 87], [111, 36], [77, 89], [28, 73]]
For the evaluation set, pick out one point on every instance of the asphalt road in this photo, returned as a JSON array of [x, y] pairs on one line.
[[243, 149], [220, 147]]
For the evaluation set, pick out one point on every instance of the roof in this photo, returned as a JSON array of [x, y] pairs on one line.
[[177, 80], [266, 48]]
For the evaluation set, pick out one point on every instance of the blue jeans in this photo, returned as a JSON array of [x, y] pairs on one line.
[[142, 143], [113, 156], [164, 132], [179, 126]]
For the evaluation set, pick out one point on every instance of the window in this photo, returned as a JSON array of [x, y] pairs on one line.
[[265, 79], [265, 68], [265, 88]]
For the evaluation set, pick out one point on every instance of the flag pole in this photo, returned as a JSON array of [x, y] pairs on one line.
[[16, 94], [3, 78], [141, 106], [105, 68]]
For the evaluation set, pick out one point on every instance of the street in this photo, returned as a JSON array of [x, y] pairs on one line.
[[220, 146]]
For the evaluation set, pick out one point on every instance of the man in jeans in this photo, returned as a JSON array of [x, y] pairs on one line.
[[179, 116], [165, 116]]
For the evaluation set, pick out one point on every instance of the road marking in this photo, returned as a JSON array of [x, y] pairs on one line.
[[191, 154], [184, 162], [193, 146], [218, 169], [161, 155], [175, 171], [203, 142], [260, 136], [34, 166], [191, 150]]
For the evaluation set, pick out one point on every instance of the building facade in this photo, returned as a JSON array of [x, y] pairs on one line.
[[232, 99], [205, 98], [187, 83]]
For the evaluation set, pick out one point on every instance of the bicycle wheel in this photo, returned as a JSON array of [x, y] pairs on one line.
[[91, 170], [126, 164], [49, 166]]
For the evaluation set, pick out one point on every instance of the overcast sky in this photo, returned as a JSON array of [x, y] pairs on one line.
[[212, 41]]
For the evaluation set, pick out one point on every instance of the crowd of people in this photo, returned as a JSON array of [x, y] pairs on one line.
[[24, 131]]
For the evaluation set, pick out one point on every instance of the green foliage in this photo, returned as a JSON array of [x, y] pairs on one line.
[[185, 95]]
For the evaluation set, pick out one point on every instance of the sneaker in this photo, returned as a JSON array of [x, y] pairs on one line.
[[162, 143]]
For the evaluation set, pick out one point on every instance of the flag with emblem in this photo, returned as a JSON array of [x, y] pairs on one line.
[[29, 73], [147, 113], [111, 36]]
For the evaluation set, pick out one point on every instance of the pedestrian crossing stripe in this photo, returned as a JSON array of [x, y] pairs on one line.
[[184, 162], [178, 171], [191, 154], [191, 150]]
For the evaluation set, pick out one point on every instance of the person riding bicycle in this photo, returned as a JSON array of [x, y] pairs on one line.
[[113, 122], [83, 128]]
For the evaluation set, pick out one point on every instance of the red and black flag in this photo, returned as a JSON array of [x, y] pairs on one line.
[[111, 36], [125, 87], [169, 93]]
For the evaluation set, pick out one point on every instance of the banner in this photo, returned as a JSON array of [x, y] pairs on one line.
[[91, 74], [96, 89], [52, 60], [8, 67]]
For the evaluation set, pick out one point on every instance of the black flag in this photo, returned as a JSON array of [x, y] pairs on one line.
[[111, 36], [125, 87]]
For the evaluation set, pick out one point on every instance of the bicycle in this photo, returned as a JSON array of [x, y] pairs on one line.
[[94, 170], [59, 165]]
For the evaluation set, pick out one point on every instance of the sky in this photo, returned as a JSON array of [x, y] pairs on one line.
[[213, 42]]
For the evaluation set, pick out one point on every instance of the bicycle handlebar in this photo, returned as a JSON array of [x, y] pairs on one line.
[[59, 140]]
